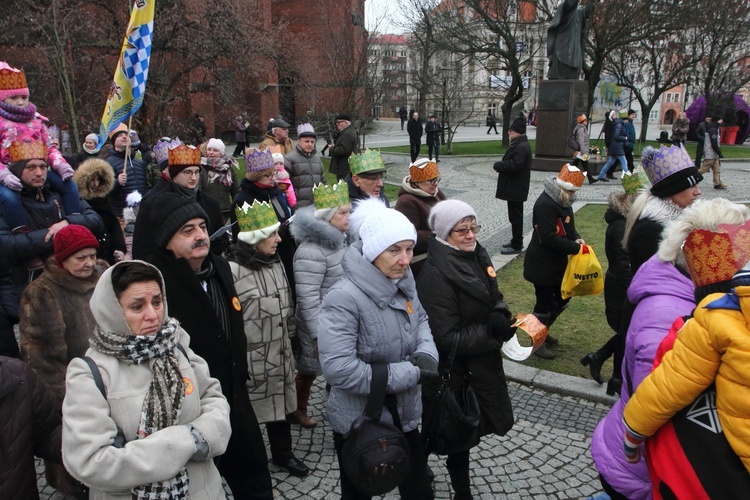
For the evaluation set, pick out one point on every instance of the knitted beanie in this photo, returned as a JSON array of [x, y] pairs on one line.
[[119, 129], [93, 138], [70, 240], [446, 214], [217, 144], [172, 211], [379, 227], [518, 125], [277, 158]]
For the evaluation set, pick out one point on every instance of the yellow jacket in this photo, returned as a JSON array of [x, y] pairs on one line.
[[712, 346]]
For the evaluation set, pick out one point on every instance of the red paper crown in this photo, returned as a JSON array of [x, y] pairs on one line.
[[184, 155], [715, 256], [12, 80], [28, 150]]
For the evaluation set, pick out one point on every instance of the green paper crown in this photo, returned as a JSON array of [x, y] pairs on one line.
[[259, 215], [368, 162], [335, 195]]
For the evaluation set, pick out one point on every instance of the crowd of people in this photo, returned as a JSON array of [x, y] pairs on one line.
[[167, 308]]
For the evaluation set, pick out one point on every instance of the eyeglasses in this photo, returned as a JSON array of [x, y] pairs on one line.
[[465, 231], [435, 180], [192, 173]]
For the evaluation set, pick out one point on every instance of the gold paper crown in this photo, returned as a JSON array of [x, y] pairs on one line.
[[335, 195], [259, 215], [29, 150], [715, 256], [12, 79], [423, 170], [184, 155], [369, 162], [571, 176], [632, 182]]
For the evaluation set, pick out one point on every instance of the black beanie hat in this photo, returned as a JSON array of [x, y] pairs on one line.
[[518, 125], [678, 181], [171, 211]]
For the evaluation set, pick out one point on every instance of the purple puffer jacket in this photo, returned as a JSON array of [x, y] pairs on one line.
[[661, 294]]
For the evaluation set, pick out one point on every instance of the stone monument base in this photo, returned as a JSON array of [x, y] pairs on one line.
[[560, 103]]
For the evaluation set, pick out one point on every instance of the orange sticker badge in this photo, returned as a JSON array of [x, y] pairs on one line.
[[188, 386], [236, 304], [567, 219], [409, 308], [491, 271]]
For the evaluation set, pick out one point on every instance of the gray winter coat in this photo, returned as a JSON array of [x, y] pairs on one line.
[[305, 171], [366, 318], [317, 266]]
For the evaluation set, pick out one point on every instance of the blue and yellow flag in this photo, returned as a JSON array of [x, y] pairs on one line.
[[126, 93]]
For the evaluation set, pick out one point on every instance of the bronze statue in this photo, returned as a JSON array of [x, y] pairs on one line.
[[565, 40]]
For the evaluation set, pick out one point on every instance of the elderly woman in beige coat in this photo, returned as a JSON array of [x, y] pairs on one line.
[[266, 300], [156, 394]]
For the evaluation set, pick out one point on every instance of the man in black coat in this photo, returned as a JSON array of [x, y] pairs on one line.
[[345, 145], [201, 295], [415, 130], [513, 182], [181, 177]]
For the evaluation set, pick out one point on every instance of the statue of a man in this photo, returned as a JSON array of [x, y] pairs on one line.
[[565, 40]]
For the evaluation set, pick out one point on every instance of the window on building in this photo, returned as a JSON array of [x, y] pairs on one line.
[[373, 52], [403, 53], [669, 96], [676, 97], [390, 52], [653, 115]]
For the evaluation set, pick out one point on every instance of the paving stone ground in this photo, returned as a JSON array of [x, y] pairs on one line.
[[546, 454]]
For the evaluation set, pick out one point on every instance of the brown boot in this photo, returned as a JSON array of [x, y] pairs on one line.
[[304, 384]]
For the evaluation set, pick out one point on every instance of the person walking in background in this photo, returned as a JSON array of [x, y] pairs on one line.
[[661, 292], [491, 122], [403, 115], [581, 156], [240, 128], [433, 129], [514, 177], [680, 129], [322, 238], [616, 150], [459, 291], [554, 239], [415, 129], [418, 195], [345, 145], [712, 153], [608, 130], [700, 134], [268, 312], [630, 143]]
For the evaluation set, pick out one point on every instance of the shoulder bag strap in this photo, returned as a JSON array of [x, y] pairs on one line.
[[378, 386], [182, 350], [96, 374]]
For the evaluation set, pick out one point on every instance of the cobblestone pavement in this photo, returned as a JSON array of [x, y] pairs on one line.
[[546, 454]]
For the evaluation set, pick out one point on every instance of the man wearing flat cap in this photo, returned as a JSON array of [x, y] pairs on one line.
[[345, 145], [278, 136], [202, 297]]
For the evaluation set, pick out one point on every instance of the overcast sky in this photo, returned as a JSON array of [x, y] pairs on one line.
[[378, 15]]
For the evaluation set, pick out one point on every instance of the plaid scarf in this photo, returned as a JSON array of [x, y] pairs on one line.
[[219, 170], [163, 402]]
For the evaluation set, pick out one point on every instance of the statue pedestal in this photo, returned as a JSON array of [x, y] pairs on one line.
[[560, 102]]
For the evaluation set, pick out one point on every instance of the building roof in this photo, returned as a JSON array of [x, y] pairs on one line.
[[388, 39]]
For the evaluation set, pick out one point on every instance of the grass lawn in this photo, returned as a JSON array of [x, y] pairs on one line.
[[582, 328], [496, 148]]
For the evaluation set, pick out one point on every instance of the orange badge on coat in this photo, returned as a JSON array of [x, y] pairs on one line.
[[409, 309], [188, 386], [236, 304], [491, 271]]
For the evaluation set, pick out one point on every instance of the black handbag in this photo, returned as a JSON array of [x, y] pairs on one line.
[[450, 418], [573, 144], [375, 454]]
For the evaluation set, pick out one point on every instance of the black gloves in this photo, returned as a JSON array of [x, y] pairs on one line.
[[427, 367], [498, 325]]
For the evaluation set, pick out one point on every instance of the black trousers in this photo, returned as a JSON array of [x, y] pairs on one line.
[[549, 301], [515, 216], [280, 440], [493, 126], [239, 149], [629, 157], [416, 487], [8, 344], [415, 146]]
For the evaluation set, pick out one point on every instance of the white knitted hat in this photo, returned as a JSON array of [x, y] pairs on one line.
[[217, 144], [277, 158], [379, 227], [446, 214]]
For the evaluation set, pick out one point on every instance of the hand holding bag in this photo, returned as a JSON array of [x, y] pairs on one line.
[[583, 276], [450, 419], [375, 455]]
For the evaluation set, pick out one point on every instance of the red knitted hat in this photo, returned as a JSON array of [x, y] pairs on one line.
[[71, 239]]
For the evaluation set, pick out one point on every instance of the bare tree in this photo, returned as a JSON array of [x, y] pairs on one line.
[[456, 106]]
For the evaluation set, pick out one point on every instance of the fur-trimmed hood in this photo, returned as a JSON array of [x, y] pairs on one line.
[[307, 229], [661, 210], [619, 203], [90, 170]]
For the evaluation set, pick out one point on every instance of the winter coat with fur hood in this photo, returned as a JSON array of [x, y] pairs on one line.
[[98, 197], [56, 324], [646, 233], [317, 266], [90, 421], [618, 276], [268, 313]]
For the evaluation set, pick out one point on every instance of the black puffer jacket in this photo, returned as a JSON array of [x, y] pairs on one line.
[[553, 240], [618, 276], [459, 291], [137, 181], [30, 427]]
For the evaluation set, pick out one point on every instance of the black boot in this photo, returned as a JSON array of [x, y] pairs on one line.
[[458, 469], [614, 385], [594, 362]]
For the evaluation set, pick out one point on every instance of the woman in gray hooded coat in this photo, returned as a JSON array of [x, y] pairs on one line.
[[320, 233]]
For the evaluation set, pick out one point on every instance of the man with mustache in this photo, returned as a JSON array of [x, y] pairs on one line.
[[202, 297]]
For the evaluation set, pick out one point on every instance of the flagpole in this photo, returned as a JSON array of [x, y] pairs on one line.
[[127, 151]]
